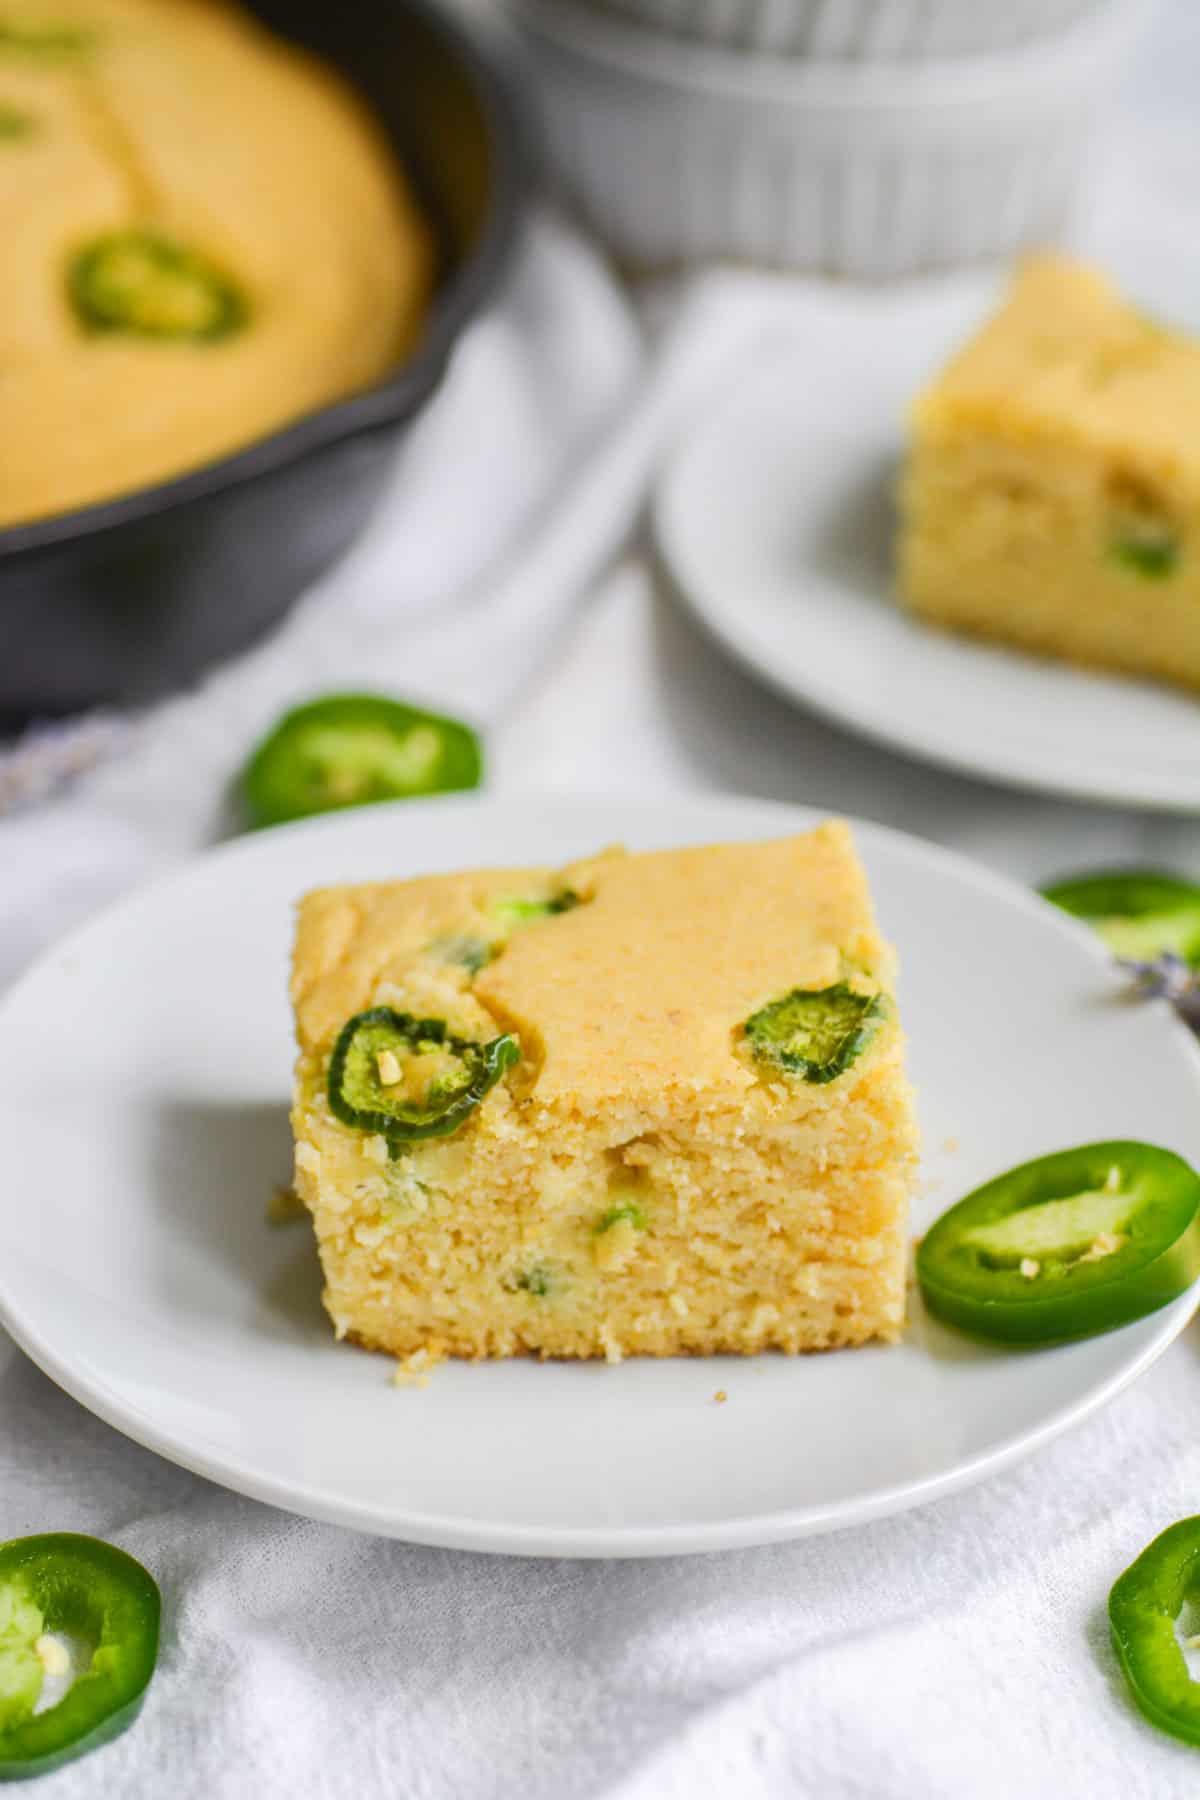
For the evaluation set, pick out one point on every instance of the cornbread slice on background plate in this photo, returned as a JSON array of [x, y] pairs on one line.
[[1052, 496], [669, 1097]]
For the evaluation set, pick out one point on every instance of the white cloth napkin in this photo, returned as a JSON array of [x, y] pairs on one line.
[[960, 1651]]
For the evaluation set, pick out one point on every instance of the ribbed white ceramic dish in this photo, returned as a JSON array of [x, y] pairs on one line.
[[678, 152], [862, 30]]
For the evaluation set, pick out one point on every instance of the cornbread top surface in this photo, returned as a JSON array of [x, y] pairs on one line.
[[638, 990], [1068, 357], [188, 119]]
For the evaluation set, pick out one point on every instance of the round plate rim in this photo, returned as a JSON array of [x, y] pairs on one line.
[[310, 1501], [918, 738]]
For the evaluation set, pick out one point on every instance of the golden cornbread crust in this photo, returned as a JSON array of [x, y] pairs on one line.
[[638, 1184], [187, 119], [1064, 429]]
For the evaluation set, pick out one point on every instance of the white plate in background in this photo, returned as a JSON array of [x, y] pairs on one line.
[[776, 522], [144, 1080]]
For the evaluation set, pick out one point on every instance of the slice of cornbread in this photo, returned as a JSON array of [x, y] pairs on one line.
[[674, 1164], [1052, 495]]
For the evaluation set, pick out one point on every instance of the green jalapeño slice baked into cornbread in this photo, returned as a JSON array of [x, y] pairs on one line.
[[1052, 496], [646, 1104]]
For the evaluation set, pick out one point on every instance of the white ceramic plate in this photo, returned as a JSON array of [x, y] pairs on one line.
[[144, 1073], [776, 521]]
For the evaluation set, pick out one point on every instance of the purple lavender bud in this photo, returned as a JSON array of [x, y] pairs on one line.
[[1168, 977]]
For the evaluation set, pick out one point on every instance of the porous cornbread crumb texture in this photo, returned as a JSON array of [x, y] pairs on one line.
[[1052, 495], [639, 1183]]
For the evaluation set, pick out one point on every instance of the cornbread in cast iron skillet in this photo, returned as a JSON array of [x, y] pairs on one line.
[[121, 601]]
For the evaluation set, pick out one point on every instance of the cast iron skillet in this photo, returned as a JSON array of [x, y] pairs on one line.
[[121, 601]]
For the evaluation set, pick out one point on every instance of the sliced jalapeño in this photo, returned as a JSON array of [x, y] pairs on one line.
[[352, 750], [1067, 1245], [65, 1586], [408, 1078]]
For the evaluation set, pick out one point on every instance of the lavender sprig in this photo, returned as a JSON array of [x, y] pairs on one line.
[[50, 756], [1168, 977]]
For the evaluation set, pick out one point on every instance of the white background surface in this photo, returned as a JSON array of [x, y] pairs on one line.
[[958, 1652]]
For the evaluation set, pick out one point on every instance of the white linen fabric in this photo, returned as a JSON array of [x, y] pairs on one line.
[[959, 1651]]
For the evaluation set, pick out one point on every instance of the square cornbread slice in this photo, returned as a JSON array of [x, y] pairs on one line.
[[706, 1144], [1052, 493]]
